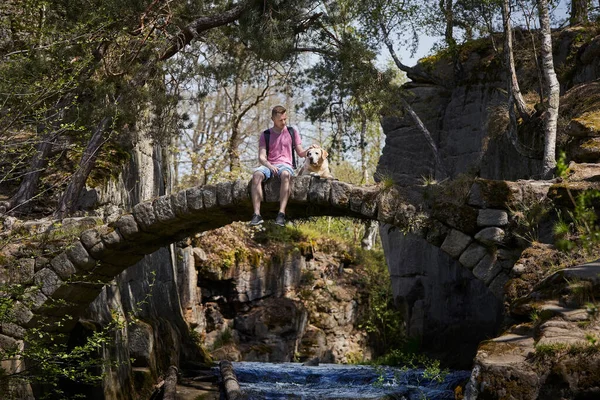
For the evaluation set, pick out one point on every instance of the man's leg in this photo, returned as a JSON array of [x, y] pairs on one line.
[[257, 196], [284, 191], [256, 190]]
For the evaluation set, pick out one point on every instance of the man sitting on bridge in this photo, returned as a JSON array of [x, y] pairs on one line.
[[275, 154]]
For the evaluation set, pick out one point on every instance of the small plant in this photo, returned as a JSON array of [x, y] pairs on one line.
[[562, 166], [528, 216], [224, 338], [428, 180], [385, 181], [534, 316], [579, 229], [592, 309]]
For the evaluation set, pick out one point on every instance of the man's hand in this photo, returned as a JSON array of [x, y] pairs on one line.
[[274, 169]]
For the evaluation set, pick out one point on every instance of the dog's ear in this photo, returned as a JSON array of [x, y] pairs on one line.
[[324, 154]]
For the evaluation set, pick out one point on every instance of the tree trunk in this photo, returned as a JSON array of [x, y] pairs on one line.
[[69, 199], [29, 184], [362, 146], [421, 126], [368, 238], [446, 8], [553, 90], [513, 83], [579, 12]]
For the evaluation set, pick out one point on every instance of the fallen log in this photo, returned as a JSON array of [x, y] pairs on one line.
[[230, 382]]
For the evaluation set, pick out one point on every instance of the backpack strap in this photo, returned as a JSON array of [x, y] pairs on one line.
[[267, 134], [291, 131]]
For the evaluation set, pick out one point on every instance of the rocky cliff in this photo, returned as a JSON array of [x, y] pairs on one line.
[[258, 299], [467, 118]]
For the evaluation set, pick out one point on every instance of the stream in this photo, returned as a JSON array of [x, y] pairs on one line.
[[266, 381]]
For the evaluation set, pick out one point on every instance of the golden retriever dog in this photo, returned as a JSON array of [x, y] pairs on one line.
[[316, 163]]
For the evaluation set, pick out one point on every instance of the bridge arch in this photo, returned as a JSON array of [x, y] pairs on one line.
[[74, 278]]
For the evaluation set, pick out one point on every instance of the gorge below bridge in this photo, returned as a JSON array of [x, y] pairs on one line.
[[470, 223]]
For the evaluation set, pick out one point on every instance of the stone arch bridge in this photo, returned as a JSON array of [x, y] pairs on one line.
[[473, 232]]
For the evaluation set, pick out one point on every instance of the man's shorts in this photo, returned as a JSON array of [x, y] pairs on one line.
[[267, 172]]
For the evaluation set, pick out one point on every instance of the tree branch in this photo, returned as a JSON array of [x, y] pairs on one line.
[[202, 24]]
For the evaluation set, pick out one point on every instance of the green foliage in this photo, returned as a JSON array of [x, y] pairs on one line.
[[224, 338], [432, 372], [383, 321], [528, 215], [562, 166], [579, 228]]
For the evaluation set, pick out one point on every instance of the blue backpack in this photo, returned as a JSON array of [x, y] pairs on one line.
[[267, 134]]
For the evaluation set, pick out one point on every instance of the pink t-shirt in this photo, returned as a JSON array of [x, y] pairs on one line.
[[280, 146]]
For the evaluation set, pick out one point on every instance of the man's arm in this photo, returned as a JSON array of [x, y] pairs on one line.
[[262, 159], [301, 152]]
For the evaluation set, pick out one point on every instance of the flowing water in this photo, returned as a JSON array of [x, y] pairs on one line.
[[266, 381]]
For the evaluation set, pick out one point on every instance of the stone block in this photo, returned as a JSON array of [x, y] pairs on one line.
[[472, 255], [21, 313], [193, 197], [340, 194], [493, 194], [127, 226], [144, 216], [487, 269], [90, 238], [112, 239], [47, 281], [8, 343], [163, 209], [436, 232], [12, 330], [240, 190], [224, 194], [455, 243], [80, 257], [388, 202], [300, 186], [356, 199], [319, 191], [368, 207], [271, 190], [497, 285], [63, 267], [179, 203], [460, 217], [492, 217], [491, 236], [24, 271], [209, 196], [34, 298]]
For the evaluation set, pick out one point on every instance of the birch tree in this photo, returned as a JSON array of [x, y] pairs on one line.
[[553, 90]]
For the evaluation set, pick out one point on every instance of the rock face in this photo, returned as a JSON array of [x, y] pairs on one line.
[[442, 304], [463, 110], [281, 307], [555, 353]]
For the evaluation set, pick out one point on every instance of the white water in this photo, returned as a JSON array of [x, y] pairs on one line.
[[266, 381]]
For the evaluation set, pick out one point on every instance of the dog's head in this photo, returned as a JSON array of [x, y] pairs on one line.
[[316, 155]]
